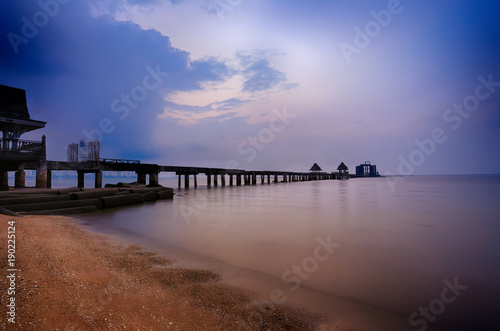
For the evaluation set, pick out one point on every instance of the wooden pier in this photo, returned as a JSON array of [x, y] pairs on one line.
[[215, 176]]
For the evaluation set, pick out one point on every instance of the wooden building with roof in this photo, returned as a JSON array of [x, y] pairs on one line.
[[343, 171], [315, 168], [15, 121]]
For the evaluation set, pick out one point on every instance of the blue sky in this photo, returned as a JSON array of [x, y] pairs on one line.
[[410, 85]]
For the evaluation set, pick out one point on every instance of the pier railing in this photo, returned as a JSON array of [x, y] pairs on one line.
[[24, 147], [120, 161]]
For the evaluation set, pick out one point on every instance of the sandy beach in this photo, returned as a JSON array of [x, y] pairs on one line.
[[69, 279]]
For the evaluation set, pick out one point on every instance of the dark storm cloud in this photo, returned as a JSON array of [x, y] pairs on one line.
[[95, 77]]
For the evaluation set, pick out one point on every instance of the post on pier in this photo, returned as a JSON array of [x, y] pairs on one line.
[[238, 180], [81, 179], [41, 174], [254, 179], [209, 180], [20, 177], [230, 180], [186, 180], [195, 181], [141, 178], [262, 177], [98, 179], [179, 181], [216, 182], [275, 178], [4, 180], [223, 179], [153, 179], [49, 178]]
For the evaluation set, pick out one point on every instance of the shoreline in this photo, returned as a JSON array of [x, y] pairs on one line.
[[69, 278]]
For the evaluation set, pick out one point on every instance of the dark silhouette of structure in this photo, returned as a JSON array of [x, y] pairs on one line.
[[14, 153], [343, 171], [315, 168], [316, 173], [367, 170]]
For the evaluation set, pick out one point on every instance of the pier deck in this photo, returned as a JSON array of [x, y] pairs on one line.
[[236, 176]]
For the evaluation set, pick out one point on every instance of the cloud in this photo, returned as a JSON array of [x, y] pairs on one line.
[[228, 104], [259, 73], [262, 77], [190, 114], [246, 79], [81, 67]]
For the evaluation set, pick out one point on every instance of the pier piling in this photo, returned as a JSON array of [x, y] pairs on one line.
[[98, 179], [141, 178], [41, 174], [81, 177], [153, 179], [49, 178], [20, 177], [4, 180]]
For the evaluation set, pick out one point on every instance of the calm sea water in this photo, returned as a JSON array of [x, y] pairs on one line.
[[424, 256]]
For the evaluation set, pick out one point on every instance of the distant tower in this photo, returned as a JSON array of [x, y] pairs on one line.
[[83, 151], [367, 170]]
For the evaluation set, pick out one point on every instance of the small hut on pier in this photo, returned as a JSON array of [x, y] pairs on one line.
[[343, 171], [315, 168], [316, 172]]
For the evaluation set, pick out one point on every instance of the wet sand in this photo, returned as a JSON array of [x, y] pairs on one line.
[[71, 279]]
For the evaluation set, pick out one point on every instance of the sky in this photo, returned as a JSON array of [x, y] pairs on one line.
[[412, 86]]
